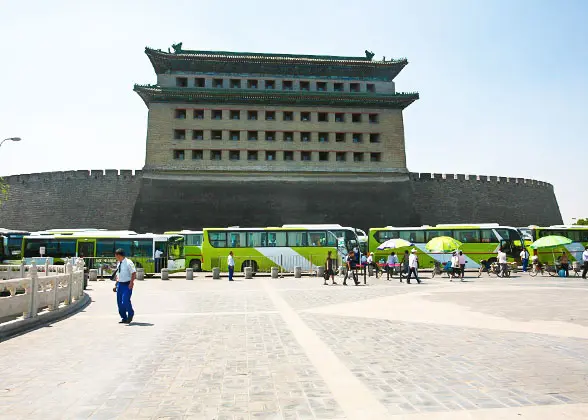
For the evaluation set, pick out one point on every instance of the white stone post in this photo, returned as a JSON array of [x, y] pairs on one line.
[[23, 270], [320, 271], [274, 272], [55, 288], [297, 272], [32, 312], [140, 274], [216, 273], [189, 274], [47, 267], [164, 274], [248, 272], [69, 272], [93, 275]]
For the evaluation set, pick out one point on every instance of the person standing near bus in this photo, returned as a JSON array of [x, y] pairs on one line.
[[454, 266], [525, 259], [462, 264], [502, 262], [231, 264], [125, 280], [351, 269], [413, 265], [158, 254], [329, 268], [391, 265], [585, 261], [405, 265], [565, 263]]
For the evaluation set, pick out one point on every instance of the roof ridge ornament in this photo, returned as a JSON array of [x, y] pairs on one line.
[[177, 48], [369, 55]]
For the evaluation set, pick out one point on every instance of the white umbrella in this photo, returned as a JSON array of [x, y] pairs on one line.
[[394, 243]]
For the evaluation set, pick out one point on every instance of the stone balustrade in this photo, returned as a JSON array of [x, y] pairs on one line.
[[32, 291]]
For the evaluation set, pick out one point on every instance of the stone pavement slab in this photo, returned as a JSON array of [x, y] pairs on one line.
[[294, 349]]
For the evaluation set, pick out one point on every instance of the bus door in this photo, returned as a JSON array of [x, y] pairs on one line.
[[87, 251]]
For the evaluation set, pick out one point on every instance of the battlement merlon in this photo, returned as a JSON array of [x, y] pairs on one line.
[[265, 64], [155, 93]]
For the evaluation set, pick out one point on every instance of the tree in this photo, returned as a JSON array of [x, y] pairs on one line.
[[3, 191], [583, 222]]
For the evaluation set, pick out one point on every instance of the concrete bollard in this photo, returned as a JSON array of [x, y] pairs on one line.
[[343, 270], [370, 270], [164, 274], [297, 272], [140, 274], [320, 271], [274, 272], [248, 272], [216, 273], [189, 274], [93, 275]]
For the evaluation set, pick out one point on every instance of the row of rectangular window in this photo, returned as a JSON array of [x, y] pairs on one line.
[[217, 114], [270, 155], [269, 84], [303, 136]]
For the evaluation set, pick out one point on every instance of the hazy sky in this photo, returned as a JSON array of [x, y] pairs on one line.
[[503, 83]]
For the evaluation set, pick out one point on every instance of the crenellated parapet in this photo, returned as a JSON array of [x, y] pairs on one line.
[[108, 174], [432, 177]]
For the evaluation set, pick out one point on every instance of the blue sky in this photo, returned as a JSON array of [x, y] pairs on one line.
[[503, 84]]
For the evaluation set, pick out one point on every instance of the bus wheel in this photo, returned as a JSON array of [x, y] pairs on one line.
[[249, 263], [196, 265]]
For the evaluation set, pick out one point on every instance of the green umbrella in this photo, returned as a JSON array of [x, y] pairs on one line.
[[442, 244], [552, 241]]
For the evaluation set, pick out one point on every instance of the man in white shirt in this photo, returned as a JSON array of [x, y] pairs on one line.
[[454, 266], [158, 254], [502, 262], [585, 260], [462, 264], [525, 259], [125, 280], [231, 264], [413, 264]]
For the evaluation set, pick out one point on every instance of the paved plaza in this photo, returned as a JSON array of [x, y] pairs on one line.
[[295, 349]]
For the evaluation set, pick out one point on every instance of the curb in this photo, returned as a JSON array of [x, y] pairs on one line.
[[20, 326]]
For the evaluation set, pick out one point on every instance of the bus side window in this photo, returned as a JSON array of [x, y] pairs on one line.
[[487, 236]]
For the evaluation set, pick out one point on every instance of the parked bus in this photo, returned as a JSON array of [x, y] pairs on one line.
[[577, 233], [352, 237], [263, 248], [11, 245], [479, 242], [97, 249], [192, 247]]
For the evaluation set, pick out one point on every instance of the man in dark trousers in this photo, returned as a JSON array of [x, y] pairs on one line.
[[125, 280], [351, 269]]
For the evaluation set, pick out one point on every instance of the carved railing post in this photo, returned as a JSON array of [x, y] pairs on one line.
[[32, 291], [23, 270], [69, 271], [55, 289], [46, 267]]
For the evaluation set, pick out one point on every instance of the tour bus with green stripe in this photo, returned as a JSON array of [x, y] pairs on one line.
[[578, 234], [11, 245], [282, 247], [192, 247], [479, 242], [97, 249]]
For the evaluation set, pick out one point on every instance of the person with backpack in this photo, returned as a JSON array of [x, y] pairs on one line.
[[351, 269], [329, 269]]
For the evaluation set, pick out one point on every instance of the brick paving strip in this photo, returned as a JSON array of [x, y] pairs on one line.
[[353, 396]]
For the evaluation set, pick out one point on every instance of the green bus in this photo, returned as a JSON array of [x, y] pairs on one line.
[[192, 247], [11, 245], [577, 233], [282, 247], [97, 249], [479, 242]]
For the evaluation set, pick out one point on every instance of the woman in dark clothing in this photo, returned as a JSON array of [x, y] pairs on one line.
[[329, 269]]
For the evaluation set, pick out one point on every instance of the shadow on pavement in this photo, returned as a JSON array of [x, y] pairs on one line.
[[141, 324]]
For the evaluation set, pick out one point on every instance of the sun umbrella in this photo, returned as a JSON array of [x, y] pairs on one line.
[[442, 244], [394, 243], [551, 241]]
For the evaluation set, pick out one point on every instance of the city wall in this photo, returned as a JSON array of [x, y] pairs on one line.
[[144, 202]]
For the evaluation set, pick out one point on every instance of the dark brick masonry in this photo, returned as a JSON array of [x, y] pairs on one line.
[[122, 201]]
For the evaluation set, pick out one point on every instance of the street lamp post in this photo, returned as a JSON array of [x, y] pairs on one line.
[[10, 139]]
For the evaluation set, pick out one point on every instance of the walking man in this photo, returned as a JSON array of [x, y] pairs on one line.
[[351, 269], [391, 265], [462, 264], [525, 259], [413, 265], [329, 268], [125, 280], [585, 261], [502, 262], [405, 265], [454, 266], [231, 264]]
